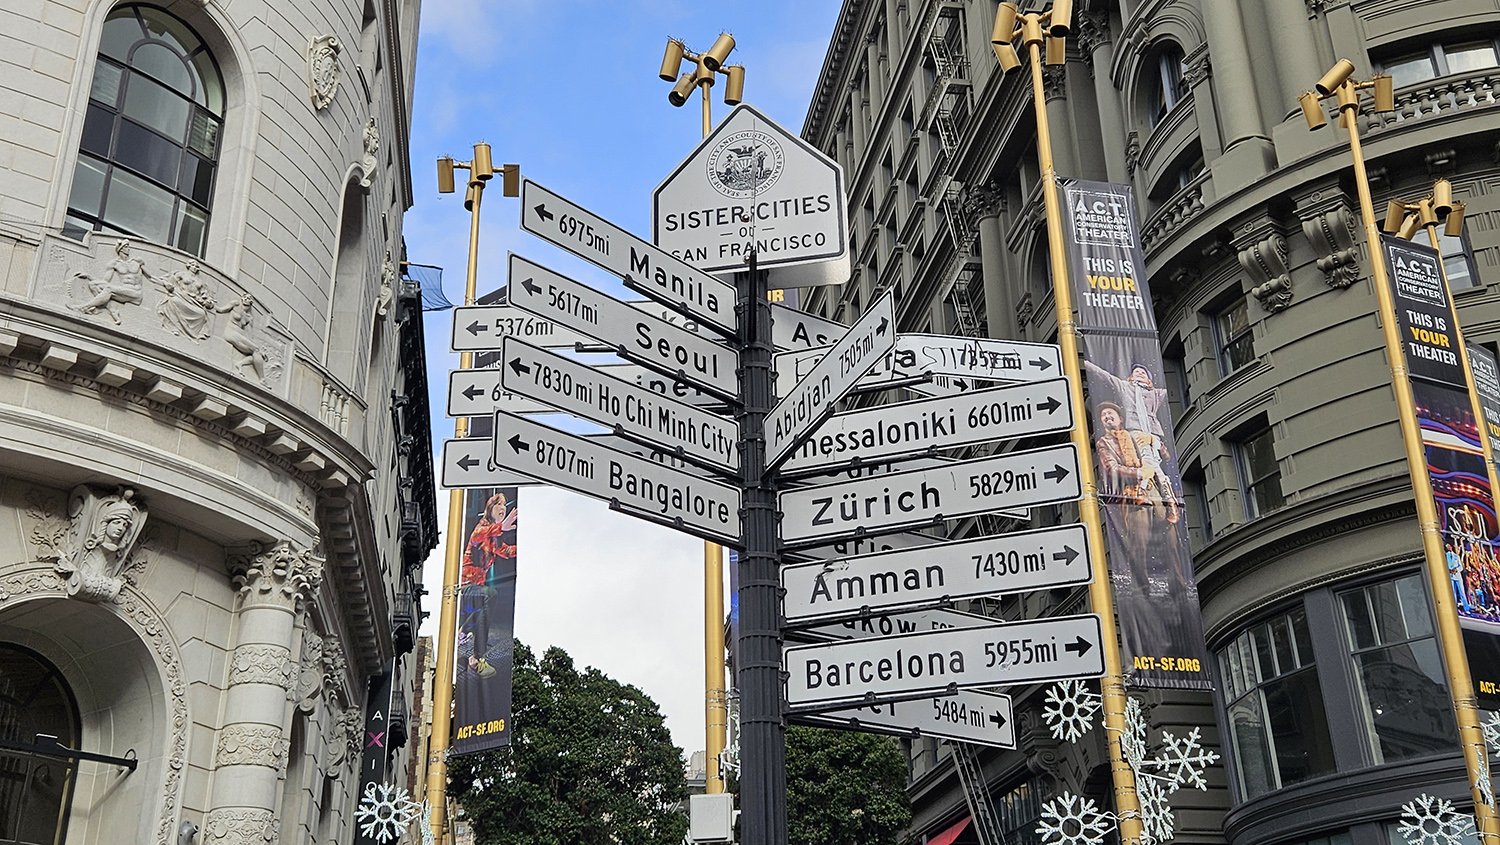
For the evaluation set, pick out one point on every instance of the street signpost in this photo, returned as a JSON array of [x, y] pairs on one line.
[[891, 624], [1004, 654], [972, 716], [907, 429], [752, 186], [805, 405], [933, 575], [632, 333], [477, 393], [477, 328], [632, 484], [814, 515], [469, 462], [644, 267], [958, 362], [633, 412], [790, 329]]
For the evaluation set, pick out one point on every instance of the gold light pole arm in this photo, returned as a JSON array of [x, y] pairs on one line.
[[1450, 635], [1037, 39], [481, 170]]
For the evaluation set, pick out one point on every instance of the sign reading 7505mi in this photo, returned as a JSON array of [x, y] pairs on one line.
[[907, 499], [646, 268]]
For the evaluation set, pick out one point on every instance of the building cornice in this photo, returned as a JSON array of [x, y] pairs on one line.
[[834, 68]]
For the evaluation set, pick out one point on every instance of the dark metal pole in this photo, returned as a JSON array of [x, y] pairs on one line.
[[758, 656]]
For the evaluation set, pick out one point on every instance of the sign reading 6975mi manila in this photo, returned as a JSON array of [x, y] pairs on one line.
[[637, 486], [752, 186]]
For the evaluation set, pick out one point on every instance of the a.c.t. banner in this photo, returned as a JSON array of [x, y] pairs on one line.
[[486, 622]]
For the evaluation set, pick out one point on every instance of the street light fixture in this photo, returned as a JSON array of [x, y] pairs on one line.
[[709, 64], [1339, 83], [1042, 36]]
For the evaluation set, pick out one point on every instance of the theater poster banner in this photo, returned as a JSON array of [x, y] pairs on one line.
[[1135, 455], [1456, 461], [486, 622]]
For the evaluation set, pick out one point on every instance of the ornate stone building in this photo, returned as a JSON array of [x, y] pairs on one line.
[[1330, 706], [215, 465]]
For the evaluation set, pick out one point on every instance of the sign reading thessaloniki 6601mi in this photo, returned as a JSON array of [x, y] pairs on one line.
[[907, 499], [1000, 655], [692, 504], [862, 347], [926, 576]]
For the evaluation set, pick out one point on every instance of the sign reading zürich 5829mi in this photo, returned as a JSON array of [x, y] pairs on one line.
[[751, 185]]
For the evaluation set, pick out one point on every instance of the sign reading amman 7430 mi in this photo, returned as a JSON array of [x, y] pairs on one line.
[[696, 505], [920, 497], [911, 578], [646, 268], [1000, 655], [804, 406]]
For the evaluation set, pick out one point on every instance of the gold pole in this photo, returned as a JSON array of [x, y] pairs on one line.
[[1455, 662], [442, 687], [1101, 594]]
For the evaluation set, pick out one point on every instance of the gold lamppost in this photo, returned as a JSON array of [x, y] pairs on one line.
[[1043, 37], [1338, 84], [481, 170], [716, 692]]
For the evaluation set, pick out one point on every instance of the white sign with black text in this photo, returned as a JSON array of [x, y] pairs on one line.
[[480, 328], [470, 462], [972, 716]]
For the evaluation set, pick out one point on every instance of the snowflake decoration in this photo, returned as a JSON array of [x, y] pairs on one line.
[[1429, 820], [1069, 710], [1486, 786], [427, 837], [1491, 729], [1182, 761], [1158, 822], [385, 811], [1133, 740], [1073, 820]]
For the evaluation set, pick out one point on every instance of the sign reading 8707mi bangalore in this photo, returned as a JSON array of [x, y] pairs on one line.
[[751, 186]]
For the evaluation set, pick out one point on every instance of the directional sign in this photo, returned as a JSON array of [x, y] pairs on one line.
[[473, 393], [907, 429], [921, 497], [470, 462], [752, 185], [806, 404], [1004, 654], [670, 386], [790, 329], [985, 359], [1009, 563], [889, 624], [973, 716], [687, 502], [632, 411], [648, 269], [633, 333], [477, 328]]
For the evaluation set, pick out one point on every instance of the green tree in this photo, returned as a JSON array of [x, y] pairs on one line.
[[844, 788], [590, 763]]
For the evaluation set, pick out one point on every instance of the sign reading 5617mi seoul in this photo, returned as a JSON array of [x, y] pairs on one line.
[[751, 185]]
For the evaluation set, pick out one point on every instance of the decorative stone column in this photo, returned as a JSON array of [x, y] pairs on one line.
[[250, 751], [986, 204], [1097, 44], [1247, 152]]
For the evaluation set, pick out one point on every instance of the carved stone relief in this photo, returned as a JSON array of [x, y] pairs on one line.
[[196, 310], [241, 826], [1330, 228], [371, 156], [1265, 261], [261, 664], [343, 740], [1055, 81], [387, 286], [250, 745], [1132, 151], [280, 574], [323, 70], [309, 688], [103, 529], [1093, 32]]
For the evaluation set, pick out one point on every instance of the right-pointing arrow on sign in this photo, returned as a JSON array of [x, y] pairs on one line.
[[1067, 555], [1057, 473], [1079, 646]]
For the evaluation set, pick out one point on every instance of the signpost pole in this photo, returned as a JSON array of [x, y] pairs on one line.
[[758, 657]]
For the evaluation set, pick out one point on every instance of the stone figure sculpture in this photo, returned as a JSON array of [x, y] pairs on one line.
[[372, 153], [187, 303], [323, 70], [240, 335], [102, 534], [122, 282]]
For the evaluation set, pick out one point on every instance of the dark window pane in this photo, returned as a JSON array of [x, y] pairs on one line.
[[137, 206], [192, 226], [1294, 712], [197, 179], [98, 126], [1265, 659], [1252, 747], [1282, 637], [1466, 57], [167, 28], [1238, 353], [210, 85], [1389, 626], [156, 106], [106, 89], [1298, 618], [120, 31], [162, 64], [203, 133], [1414, 610], [88, 186], [1357, 617], [1406, 703], [148, 153], [1409, 70], [1266, 495], [74, 227]]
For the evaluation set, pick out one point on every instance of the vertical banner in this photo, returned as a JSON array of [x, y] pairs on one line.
[[376, 755], [1456, 461], [486, 622], [1487, 389], [1135, 455]]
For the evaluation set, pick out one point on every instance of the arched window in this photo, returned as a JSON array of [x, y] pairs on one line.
[[150, 145], [35, 791], [1162, 82]]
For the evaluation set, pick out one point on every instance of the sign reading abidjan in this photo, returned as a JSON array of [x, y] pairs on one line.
[[752, 186]]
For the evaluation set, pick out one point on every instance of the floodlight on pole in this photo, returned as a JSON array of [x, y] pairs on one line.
[[1335, 77], [671, 60]]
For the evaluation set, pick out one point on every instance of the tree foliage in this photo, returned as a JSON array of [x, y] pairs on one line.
[[590, 763], [844, 788]]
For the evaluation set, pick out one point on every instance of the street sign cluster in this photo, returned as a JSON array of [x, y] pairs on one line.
[[865, 591]]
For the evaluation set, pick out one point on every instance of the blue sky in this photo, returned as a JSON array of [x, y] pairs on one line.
[[568, 89]]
